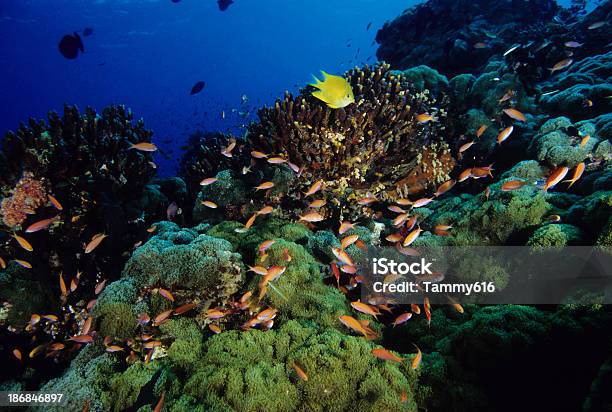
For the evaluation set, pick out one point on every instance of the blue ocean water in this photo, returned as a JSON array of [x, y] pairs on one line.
[[147, 54]]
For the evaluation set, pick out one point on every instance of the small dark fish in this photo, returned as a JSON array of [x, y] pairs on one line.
[[224, 4], [70, 45], [368, 26], [175, 1], [102, 64], [197, 88], [172, 211], [87, 31]]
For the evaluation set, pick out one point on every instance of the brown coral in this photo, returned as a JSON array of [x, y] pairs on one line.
[[28, 194], [366, 148]]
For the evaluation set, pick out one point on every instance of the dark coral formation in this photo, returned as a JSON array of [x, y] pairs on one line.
[[459, 36], [79, 171], [373, 146]]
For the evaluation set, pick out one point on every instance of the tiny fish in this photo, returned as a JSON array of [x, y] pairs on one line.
[[208, 181], [266, 210], [411, 222], [277, 160], [81, 338], [336, 273], [415, 308], [100, 287], [396, 209], [585, 140], [143, 319], [563, 64], [316, 204], [260, 270], [265, 186], [23, 242], [411, 237], [481, 130], [554, 218], [214, 328], [385, 354], [404, 317], [572, 44], [511, 49], [422, 202], [160, 403], [335, 91], [162, 317], [152, 229], [487, 192], [578, 171], [507, 96], [300, 372], [366, 201], [555, 177], [444, 187], [17, 354], [403, 202], [424, 118], [94, 242], [515, 114], [166, 294], [87, 326], [351, 270], [265, 245], [314, 188], [210, 204], [512, 185], [258, 155], [480, 45], [23, 263], [353, 324], [504, 134], [2, 263], [596, 25], [250, 222], [184, 308], [41, 225], [442, 230], [365, 308], [38, 349], [466, 174], [312, 217], [348, 240], [114, 348], [197, 87], [56, 204], [62, 283], [143, 147], [345, 227], [416, 361], [394, 238], [342, 256], [466, 146]]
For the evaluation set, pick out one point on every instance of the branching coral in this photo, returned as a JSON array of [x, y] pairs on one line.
[[366, 147]]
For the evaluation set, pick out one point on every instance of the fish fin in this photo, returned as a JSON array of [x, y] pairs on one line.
[[321, 96]]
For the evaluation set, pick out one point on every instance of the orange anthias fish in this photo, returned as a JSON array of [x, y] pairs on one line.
[[336, 273], [314, 188], [465, 175], [162, 317], [2, 263], [300, 372], [184, 308], [312, 217], [316, 204], [56, 204], [144, 147], [23, 243], [62, 283], [515, 114], [265, 245], [95, 242], [416, 361], [41, 225], [160, 403], [404, 317], [23, 263], [82, 338], [427, 308], [277, 160], [266, 210], [258, 155], [166, 294], [481, 130], [578, 171], [422, 202], [210, 204], [385, 354], [585, 140], [555, 177], [342, 256], [512, 185], [411, 237], [345, 227], [365, 308], [504, 134], [348, 240], [208, 181], [265, 186], [352, 323]]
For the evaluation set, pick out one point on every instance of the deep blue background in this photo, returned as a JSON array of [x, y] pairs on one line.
[[148, 53]]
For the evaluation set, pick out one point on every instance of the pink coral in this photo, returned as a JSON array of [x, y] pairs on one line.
[[28, 195]]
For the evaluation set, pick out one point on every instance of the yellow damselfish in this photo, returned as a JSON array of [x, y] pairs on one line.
[[333, 90]]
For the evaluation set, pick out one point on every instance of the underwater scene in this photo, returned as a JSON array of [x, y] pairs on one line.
[[283, 205]]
